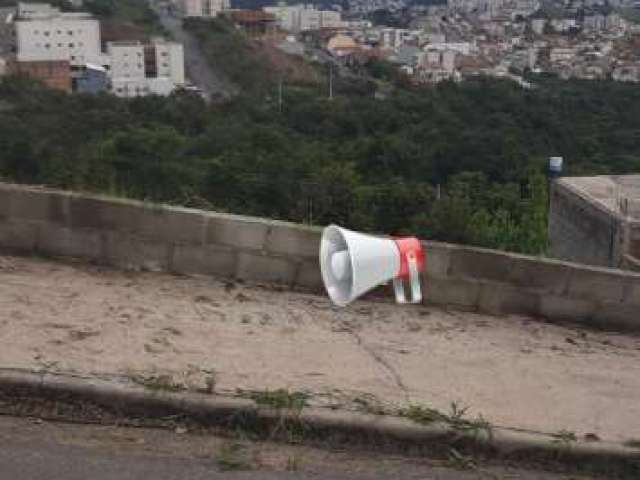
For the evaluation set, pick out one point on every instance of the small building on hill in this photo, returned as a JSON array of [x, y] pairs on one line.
[[596, 220], [341, 45], [253, 22]]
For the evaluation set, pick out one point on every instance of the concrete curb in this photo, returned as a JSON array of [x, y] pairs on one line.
[[329, 426]]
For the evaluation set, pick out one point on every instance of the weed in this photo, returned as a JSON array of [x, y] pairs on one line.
[[293, 463], [209, 382], [455, 419], [158, 382], [633, 443], [280, 399], [460, 461], [291, 427], [422, 415], [564, 436], [457, 413], [369, 406], [231, 457]]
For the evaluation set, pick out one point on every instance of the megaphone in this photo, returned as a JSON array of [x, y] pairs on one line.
[[353, 263]]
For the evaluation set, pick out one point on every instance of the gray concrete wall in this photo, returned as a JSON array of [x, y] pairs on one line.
[[499, 282], [581, 231], [134, 235]]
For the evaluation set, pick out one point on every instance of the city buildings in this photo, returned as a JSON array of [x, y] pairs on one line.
[[301, 18], [507, 39], [63, 49]]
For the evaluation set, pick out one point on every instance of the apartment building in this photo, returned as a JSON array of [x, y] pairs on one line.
[[137, 69], [64, 49], [396, 37], [302, 18], [43, 33], [203, 8]]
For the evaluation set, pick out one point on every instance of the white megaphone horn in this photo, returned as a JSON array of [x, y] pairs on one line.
[[353, 263]]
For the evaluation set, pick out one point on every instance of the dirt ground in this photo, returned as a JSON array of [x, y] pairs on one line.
[[514, 371]]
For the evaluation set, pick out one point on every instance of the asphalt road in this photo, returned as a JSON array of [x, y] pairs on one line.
[[36, 450]]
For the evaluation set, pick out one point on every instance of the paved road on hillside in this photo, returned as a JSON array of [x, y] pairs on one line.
[[198, 70], [52, 451]]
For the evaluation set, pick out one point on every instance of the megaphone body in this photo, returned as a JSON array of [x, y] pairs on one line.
[[353, 263]]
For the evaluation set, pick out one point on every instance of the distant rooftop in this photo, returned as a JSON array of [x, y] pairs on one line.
[[620, 194], [124, 43], [44, 11]]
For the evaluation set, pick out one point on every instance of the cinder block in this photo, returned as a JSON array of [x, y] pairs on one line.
[[154, 222], [102, 213], [18, 236], [480, 264], [596, 284], [555, 307], [617, 317], [457, 292], [236, 232], [40, 205], [545, 276], [437, 259], [309, 276], [298, 240], [130, 252], [209, 260], [263, 268], [5, 206], [496, 298], [632, 291], [62, 241], [173, 225]]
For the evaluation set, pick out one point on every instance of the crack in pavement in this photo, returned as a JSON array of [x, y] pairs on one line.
[[381, 361]]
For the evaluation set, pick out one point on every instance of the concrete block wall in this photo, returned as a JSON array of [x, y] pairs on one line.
[[138, 236], [634, 240], [582, 231], [497, 282], [134, 235]]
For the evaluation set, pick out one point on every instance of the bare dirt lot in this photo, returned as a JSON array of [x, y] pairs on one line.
[[514, 371]]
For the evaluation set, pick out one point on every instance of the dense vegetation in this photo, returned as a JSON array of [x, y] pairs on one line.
[[463, 162], [371, 164]]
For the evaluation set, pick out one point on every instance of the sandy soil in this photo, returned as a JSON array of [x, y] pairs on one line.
[[514, 371]]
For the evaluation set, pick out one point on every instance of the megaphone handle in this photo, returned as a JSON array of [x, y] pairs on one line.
[[398, 288], [414, 278]]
